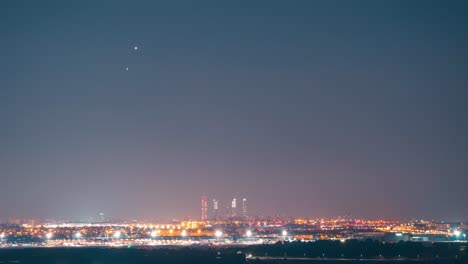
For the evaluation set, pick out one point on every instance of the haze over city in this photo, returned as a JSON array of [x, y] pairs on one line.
[[304, 109]]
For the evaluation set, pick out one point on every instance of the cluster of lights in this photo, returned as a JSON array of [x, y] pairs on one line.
[[153, 234], [184, 230], [458, 233]]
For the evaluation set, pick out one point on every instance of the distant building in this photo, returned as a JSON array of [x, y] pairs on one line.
[[203, 208], [234, 207], [244, 207], [396, 237], [227, 213], [215, 209]]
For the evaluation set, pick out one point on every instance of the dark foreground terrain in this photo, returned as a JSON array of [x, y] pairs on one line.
[[369, 252], [117, 255]]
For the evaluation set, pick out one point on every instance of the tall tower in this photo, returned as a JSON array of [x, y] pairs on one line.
[[233, 207], [215, 209], [203, 208], [244, 207]]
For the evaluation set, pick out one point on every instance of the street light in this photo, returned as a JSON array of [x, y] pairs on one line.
[[184, 233], [78, 235], [49, 236], [248, 233], [284, 233], [154, 234], [117, 234], [218, 233]]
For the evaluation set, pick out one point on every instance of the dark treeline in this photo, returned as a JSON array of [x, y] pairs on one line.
[[24, 239]]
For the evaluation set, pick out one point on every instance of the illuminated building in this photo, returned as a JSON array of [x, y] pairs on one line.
[[233, 207], [244, 207], [203, 208], [215, 209]]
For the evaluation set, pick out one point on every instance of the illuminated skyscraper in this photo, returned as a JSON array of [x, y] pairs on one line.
[[244, 207], [215, 209], [203, 208], [233, 207]]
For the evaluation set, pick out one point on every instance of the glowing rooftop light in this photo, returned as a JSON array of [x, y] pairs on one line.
[[49, 235], [117, 234], [248, 233], [218, 233]]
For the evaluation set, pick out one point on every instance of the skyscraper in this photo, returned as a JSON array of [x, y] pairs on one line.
[[244, 207], [215, 209], [233, 207], [203, 208]]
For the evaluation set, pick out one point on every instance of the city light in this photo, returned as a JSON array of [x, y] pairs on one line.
[[89, 233]]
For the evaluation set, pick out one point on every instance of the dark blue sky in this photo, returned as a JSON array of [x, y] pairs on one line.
[[306, 108]]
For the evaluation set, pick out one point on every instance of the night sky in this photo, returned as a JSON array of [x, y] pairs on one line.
[[305, 108]]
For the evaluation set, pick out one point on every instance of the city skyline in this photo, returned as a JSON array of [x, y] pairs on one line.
[[306, 110]]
